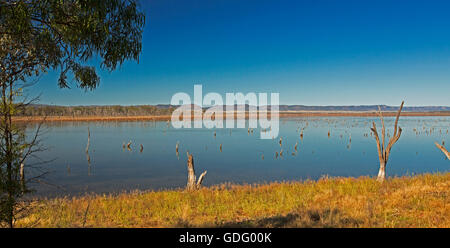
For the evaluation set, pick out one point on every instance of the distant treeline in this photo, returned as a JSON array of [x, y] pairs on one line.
[[162, 109], [359, 108], [114, 110]]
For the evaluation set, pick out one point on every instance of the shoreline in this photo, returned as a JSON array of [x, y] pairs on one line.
[[168, 117]]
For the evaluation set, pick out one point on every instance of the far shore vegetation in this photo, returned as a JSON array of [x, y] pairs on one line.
[[408, 201], [163, 112], [112, 110]]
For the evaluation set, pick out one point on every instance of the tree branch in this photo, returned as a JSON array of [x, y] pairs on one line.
[[442, 148]]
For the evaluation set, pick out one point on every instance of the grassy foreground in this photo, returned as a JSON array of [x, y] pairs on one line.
[[417, 201]]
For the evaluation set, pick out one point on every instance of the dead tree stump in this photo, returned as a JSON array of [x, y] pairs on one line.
[[88, 158], [88, 141], [191, 183]]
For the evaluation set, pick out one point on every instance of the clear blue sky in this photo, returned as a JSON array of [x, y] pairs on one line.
[[311, 52]]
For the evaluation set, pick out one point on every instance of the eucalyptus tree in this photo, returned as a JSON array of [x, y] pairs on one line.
[[67, 36]]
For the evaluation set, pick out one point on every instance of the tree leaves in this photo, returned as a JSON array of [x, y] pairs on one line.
[[41, 35], [50, 34]]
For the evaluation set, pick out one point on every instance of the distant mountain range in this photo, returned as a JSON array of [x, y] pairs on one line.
[[350, 108], [362, 108], [166, 109]]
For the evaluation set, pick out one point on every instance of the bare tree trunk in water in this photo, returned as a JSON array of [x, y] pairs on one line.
[[385, 150], [191, 173], [88, 141], [191, 183]]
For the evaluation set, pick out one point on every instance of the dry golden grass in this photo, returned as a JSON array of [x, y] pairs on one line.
[[417, 201]]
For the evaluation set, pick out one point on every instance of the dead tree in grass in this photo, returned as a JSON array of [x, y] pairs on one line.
[[192, 184], [384, 151], [442, 148]]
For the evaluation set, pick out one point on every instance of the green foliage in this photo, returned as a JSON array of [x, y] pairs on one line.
[[14, 150], [39, 35]]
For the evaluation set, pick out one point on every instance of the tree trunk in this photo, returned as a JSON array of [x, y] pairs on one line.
[[382, 172], [200, 180], [383, 149], [88, 141], [7, 140], [191, 184], [191, 173], [442, 148], [22, 175]]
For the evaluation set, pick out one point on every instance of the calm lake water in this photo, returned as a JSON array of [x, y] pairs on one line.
[[114, 169]]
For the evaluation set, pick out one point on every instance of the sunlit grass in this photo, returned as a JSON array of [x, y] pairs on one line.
[[417, 201]]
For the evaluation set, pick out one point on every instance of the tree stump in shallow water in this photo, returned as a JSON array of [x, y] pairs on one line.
[[191, 183], [88, 141]]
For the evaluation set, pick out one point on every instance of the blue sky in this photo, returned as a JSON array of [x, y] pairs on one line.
[[311, 52]]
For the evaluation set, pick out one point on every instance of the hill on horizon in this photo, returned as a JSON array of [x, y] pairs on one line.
[[166, 109]]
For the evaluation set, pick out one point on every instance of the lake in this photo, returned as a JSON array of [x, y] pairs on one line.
[[349, 151]]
